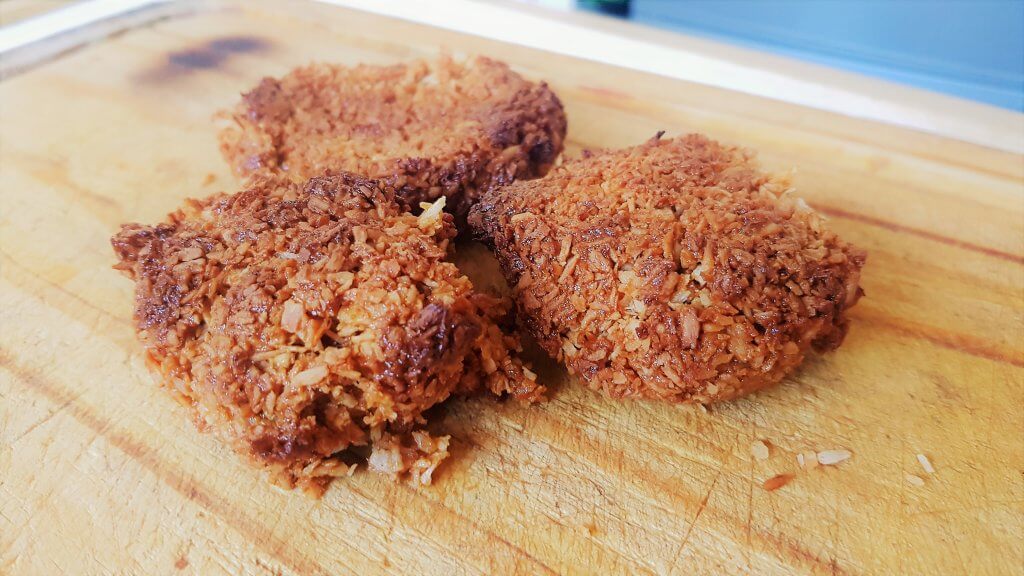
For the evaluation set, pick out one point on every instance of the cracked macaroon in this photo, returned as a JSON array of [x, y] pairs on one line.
[[311, 325], [674, 270], [424, 128]]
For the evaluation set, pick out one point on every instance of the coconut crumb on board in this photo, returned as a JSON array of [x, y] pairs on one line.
[[833, 457], [777, 481], [926, 463], [808, 459], [759, 450], [915, 480]]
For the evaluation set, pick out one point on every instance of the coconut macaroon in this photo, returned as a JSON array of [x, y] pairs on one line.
[[425, 129], [673, 270], [312, 325]]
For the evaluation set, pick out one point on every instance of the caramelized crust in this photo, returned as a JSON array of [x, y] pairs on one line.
[[302, 321], [673, 270], [425, 129]]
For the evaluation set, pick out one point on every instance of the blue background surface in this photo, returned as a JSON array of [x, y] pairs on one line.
[[971, 49]]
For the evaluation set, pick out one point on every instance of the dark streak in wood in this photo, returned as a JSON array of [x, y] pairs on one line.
[[950, 340], [209, 55], [607, 93], [900, 228]]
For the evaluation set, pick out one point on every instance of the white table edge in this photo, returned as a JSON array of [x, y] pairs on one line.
[[633, 46]]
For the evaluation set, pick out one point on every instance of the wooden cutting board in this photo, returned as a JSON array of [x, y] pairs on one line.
[[102, 473]]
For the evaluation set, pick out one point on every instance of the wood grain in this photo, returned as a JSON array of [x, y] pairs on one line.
[[102, 473]]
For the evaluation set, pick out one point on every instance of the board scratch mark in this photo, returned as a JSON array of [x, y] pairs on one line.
[[750, 515], [476, 526], [49, 416], [989, 505], [794, 549], [639, 562], [902, 483], [64, 291], [174, 479], [700, 510], [833, 561]]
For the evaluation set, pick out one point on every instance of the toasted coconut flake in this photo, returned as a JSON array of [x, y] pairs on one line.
[[926, 463], [268, 354], [193, 253], [385, 459], [310, 376], [777, 481], [833, 457], [569, 267], [691, 329], [425, 442], [759, 450], [291, 315], [431, 216], [422, 470]]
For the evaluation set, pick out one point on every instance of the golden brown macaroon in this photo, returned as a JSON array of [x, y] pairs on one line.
[[302, 322], [425, 129], [672, 270]]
